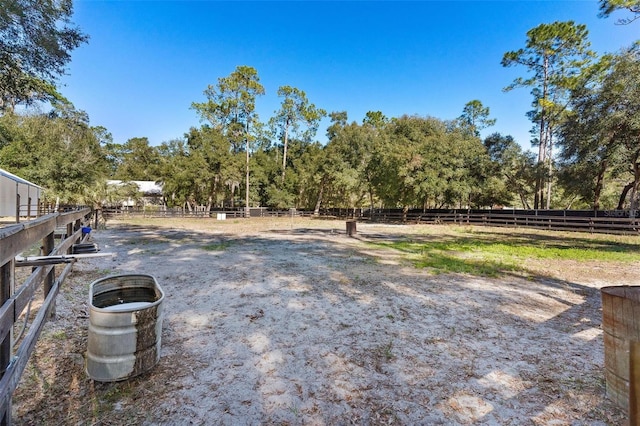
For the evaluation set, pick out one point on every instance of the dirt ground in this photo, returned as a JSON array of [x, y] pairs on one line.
[[292, 322]]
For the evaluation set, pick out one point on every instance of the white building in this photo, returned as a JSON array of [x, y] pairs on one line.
[[18, 197]]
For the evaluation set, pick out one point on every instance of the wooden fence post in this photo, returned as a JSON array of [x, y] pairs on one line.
[[6, 288], [17, 208], [69, 233], [48, 244]]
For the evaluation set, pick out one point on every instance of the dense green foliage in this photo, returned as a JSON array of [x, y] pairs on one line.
[[59, 151], [36, 40], [230, 108], [585, 107], [600, 137]]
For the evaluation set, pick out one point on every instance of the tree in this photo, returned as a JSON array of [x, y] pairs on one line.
[[555, 54], [426, 162], [586, 146], [114, 152], [139, 161], [375, 119], [475, 117], [267, 175], [607, 7], [308, 166], [513, 170], [218, 175], [58, 151], [601, 135], [183, 174], [230, 107], [102, 194], [347, 159], [295, 110], [36, 40]]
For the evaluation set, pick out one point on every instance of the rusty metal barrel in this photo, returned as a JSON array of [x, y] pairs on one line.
[[351, 228], [621, 327], [125, 326]]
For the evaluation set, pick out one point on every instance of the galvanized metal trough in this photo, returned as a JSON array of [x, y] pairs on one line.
[[125, 326]]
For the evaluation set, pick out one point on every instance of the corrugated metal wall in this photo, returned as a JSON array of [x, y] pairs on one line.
[[10, 187], [8, 192]]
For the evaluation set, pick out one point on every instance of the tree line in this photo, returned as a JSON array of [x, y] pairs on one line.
[[585, 125]]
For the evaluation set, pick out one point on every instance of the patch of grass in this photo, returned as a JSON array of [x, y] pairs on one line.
[[58, 335], [486, 253], [117, 392], [520, 249], [105, 399], [441, 263], [294, 409], [385, 351], [222, 246]]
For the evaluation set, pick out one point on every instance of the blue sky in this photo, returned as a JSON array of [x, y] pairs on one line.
[[147, 61]]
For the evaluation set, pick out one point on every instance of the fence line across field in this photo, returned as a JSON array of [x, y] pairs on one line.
[[610, 222]]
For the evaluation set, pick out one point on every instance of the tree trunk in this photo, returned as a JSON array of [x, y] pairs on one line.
[[623, 195], [371, 197], [568, 207], [542, 147], [597, 191], [550, 160], [209, 204], [523, 200], [284, 154], [246, 195], [233, 193], [634, 190], [633, 206], [316, 210]]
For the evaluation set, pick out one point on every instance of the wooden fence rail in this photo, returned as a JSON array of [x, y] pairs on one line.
[[613, 222], [15, 298], [112, 213], [609, 225]]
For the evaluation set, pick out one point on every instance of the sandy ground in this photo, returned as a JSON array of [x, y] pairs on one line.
[[293, 322]]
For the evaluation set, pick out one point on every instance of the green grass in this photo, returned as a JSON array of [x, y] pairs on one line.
[[58, 335], [492, 253], [222, 246]]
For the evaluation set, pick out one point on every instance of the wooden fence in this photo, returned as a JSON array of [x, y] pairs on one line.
[[15, 298], [610, 222], [555, 220], [119, 213]]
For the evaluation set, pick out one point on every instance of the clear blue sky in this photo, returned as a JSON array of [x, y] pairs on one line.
[[147, 61]]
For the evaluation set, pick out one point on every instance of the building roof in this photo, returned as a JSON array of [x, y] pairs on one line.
[[17, 178]]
